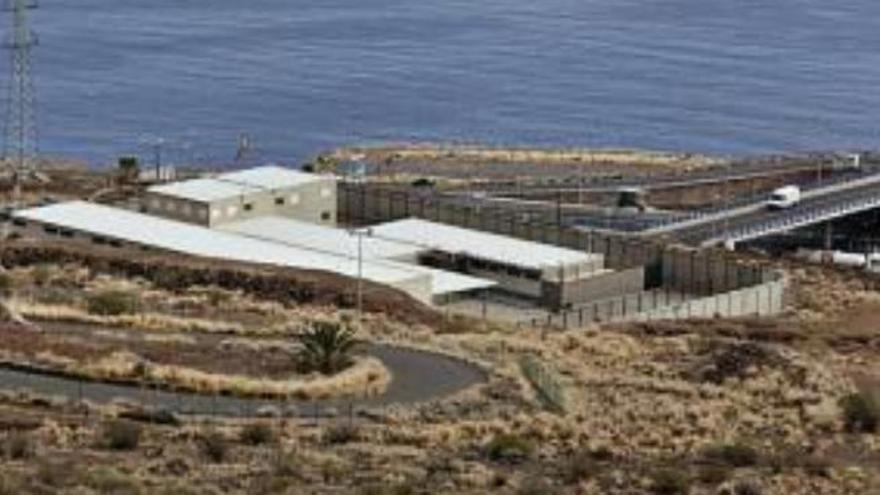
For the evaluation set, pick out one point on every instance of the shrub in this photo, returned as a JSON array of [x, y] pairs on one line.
[[109, 480], [340, 434], [113, 303], [816, 466], [41, 275], [19, 446], [326, 347], [861, 413], [713, 474], [7, 284], [55, 474], [670, 482], [746, 488], [536, 485], [735, 455], [582, 465], [121, 435], [257, 434], [214, 446], [387, 489], [509, 448]]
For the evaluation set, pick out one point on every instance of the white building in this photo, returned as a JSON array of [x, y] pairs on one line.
[[251, 193]]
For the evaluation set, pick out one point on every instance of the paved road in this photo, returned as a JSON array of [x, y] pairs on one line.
[[715, 175], [700, 233], [418, 377]]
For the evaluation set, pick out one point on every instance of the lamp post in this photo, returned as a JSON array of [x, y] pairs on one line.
[[360, 233]]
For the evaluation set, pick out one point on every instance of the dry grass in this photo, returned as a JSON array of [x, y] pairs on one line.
[[368, 376], [146, 321], [470, 154]]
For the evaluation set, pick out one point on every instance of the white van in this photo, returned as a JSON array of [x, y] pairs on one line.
[[784, 197]]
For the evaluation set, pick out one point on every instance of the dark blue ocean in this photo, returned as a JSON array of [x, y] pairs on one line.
[[301, 76]]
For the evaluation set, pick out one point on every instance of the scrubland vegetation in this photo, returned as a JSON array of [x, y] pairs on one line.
[[784, 406]]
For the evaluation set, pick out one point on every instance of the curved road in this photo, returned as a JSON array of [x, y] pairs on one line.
[[417, 377]]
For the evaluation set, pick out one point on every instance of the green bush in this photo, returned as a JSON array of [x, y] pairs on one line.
[[861, 413], [121, 435], [733, 454], [257, 434], [214, 446], [670, 482], [509, 448], [113, 303]]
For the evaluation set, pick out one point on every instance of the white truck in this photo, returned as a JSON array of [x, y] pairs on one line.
[[784, 197], [870, 262]]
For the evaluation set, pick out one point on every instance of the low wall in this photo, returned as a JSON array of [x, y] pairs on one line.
[[763, 299]]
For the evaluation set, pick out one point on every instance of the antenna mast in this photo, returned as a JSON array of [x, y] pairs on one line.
[[20, 133]]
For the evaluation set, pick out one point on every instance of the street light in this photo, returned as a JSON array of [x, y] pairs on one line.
[[360, 233]]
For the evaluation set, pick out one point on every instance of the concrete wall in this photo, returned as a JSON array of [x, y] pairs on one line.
[[764, 299], [314, 202], [601, 286]]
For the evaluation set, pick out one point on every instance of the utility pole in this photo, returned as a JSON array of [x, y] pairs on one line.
[[20, 133]]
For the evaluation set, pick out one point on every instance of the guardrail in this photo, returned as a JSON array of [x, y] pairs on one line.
[[788, 222], [754, 203]]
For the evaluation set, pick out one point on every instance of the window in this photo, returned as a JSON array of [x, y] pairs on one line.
[[279, 201], [326, 216], [248, 206], [186, 209], [19, 223], [50, 230], [155, 203]]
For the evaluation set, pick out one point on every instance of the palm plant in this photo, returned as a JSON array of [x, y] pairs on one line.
[[326, 347]]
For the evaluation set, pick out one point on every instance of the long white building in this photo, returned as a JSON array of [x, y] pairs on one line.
[[84, 222]]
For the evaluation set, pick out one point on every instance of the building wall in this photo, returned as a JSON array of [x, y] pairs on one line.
[[314, 202], [175, 208]]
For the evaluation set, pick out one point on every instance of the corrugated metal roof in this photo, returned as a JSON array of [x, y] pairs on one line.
[[342, 242], [482, 245], [195, 240]]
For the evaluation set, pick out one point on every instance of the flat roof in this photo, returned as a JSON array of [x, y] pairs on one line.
[[271, 177], [322, 238], [481, 245], [203, 190], [237, 183], [170, 235], [342, 242]]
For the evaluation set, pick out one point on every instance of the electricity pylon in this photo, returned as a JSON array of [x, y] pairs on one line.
[[20, 133]]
